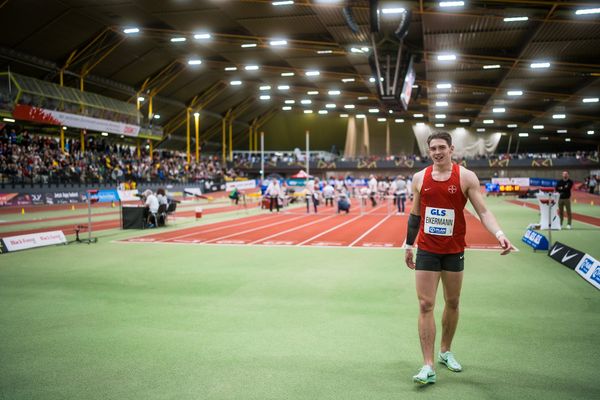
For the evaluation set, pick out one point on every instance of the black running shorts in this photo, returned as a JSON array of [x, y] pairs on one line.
[[427, 261]]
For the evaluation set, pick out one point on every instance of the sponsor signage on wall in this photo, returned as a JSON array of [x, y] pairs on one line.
[[59, 118], [241, 185], [39, 239]]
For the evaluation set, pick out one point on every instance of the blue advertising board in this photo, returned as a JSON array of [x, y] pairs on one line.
[[535, 240], [107, 195]]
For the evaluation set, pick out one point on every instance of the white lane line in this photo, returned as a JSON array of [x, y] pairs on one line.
[[233, 223], [369, 231], [292, 229], [251, 230], [336, 227]]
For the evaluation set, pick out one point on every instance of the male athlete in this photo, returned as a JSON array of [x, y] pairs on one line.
[[440, 194]]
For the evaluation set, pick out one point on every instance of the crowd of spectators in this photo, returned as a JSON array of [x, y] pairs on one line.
[[32, 158], [38, 159]]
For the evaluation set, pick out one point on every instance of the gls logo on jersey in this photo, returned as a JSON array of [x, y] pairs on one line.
[[438, 212]]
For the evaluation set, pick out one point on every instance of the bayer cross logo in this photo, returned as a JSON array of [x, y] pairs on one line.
[[452, 189]]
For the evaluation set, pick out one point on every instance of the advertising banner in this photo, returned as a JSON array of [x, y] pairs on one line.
[[522, 182], [589, 269], [128, 195], [38, 198], [39, 239], [535, 240], [567, 256], [15, 199], [241, 185], [64, 198], [107, 195], [52, 117]]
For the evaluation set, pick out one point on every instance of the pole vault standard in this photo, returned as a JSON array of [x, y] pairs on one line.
[[262, 157], [307, 154]]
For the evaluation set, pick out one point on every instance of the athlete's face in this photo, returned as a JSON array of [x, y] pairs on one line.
[[440, 152]]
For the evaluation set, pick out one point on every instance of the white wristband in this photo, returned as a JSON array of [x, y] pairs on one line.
[[408, 247], [499, 233]]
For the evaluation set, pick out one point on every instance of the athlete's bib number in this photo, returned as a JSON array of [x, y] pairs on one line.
[[439, 221]]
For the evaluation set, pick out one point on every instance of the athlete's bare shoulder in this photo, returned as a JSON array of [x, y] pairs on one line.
[[468, 177], [417, 180]]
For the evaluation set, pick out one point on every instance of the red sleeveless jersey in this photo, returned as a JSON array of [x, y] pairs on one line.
[[443, 227]]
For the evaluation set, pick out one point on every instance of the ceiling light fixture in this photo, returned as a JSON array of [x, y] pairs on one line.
[[312, 73], [559, 116], [491, 66], [178, 39], [251, 67], [194, 62], [441, 103], [539, 65], [247, 45], [499, 110], [265, 87], [287, 74], [397, 10], [131, 30], [235, 83], [202, 36], [590, 100], [230, 68], [515, 19], [452, 3], [278, 42], [444, 85], [586, 11], [446, 57], [514, 93]]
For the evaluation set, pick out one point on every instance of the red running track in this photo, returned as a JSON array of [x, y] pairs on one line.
[[326, 229], [69, 229]]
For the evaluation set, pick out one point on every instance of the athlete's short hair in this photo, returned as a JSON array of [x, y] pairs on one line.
[[440, 135]]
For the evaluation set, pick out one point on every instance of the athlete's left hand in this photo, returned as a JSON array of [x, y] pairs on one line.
[[505, 243]]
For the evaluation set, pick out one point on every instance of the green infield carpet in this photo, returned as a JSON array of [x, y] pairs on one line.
[[165, 321]]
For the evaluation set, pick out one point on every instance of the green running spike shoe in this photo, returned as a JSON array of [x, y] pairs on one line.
[[449, 361], [426, 375]]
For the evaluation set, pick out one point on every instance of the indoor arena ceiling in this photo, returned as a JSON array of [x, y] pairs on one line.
[[473, 63]]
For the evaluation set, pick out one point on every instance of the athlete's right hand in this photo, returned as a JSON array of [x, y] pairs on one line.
[[408, 258]]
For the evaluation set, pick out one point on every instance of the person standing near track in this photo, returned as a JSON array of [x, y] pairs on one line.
[[400, 191], [372, 184], [437, 216], [563, 187], [273, 191]]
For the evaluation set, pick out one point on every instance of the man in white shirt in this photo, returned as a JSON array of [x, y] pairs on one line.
[[151, 204], [273, 191], [372, 189], [400, 192], [328, 192]]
